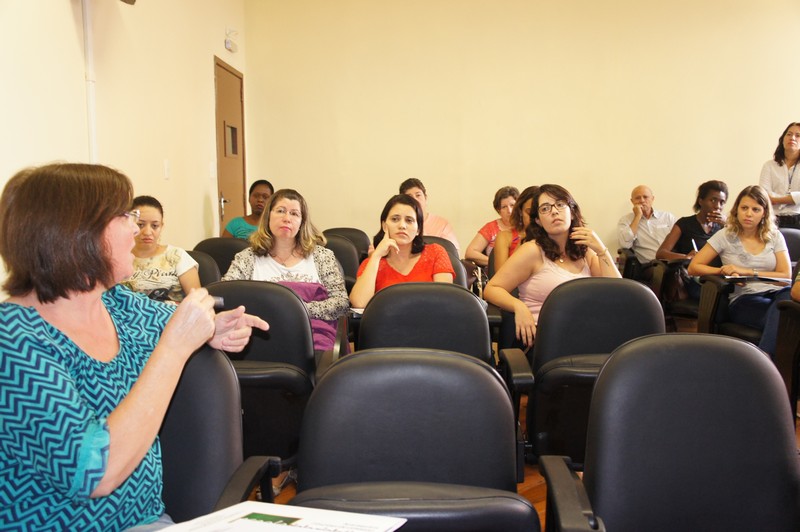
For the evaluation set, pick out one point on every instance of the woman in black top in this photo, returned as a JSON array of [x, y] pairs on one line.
[[690, 233]]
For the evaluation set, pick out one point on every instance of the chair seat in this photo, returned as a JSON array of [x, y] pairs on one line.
[[736, 330], [427, 505]]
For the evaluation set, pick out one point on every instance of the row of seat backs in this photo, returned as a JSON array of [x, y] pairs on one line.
[[423, 434], [689, 419]]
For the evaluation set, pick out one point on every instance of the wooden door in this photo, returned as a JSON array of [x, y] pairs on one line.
[[230, 142]]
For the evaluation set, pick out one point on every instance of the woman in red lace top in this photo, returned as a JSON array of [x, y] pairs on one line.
[[400, 255]]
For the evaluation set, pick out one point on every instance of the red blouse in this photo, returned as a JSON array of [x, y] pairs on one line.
[[433, 259]]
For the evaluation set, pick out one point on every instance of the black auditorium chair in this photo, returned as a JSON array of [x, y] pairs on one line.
[[461, 272], [439, 316], [208, 270], [201, 442], [422, 434], [686, 432], [713, 315], [581, 322], [276, 370], [347, 255], [629, 266], [787, 351], [792, 237], [666, 275], [222, 250], [358, 237]]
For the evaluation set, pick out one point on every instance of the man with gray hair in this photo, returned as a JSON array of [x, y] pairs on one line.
[[644, 229]]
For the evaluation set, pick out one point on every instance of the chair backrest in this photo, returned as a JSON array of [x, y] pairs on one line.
[[490, 268], [690, 419], [430, 315], [289, 338], [208, 270], [594, 315], [792, 237], [628, 264], [408, 415], [347, 254], [461, 273], [201, 437], [356, 236], [222, 250]]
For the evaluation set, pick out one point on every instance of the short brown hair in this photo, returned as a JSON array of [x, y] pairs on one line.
[[52, 224], [503, 193], [412, 182]]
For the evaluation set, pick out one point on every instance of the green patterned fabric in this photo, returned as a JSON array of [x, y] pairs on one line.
[[54, 402]]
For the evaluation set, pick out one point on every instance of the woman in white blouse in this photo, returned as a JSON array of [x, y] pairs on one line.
[[779, 179]]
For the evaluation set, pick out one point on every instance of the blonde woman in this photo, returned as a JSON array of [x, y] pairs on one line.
[[750, 245], [287, 249]]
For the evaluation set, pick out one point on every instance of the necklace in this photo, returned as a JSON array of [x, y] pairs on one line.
[[561, 258], [281, 261]]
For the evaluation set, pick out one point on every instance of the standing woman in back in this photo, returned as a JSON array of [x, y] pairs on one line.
[[750, 245], [779, 179]]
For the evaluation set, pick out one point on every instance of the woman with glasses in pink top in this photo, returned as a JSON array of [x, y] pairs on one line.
[[558, 247]]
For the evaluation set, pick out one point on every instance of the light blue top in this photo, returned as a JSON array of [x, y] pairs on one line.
[[239, 228], [730, 250], [54, 405]]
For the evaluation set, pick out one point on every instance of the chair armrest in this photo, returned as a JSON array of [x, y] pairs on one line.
[[517, 373], [713, 288], [568, 506], [341, 347], [255, 470], [787, 352]]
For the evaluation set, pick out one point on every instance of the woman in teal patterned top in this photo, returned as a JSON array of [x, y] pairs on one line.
[[87, 367]]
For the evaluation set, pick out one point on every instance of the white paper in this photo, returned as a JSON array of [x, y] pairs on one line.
[[257, 516]]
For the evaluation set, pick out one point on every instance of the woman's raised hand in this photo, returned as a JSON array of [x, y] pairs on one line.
[[191, 325], [385, 246], [586, 237]]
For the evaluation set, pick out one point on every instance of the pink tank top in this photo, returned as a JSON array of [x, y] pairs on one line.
[[538, 286]]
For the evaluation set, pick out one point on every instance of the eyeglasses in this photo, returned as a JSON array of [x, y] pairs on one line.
[[134, 214], [560, 205]]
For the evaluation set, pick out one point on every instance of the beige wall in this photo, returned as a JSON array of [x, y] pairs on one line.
[[153, 71], [347, 98]]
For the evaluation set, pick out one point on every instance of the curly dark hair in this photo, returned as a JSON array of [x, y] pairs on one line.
[[537, 233]]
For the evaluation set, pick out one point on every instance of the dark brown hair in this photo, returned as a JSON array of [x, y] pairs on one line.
[[707, 188], [418, 243], [516, 212], [52, 224], [537, 233], [780, 152], [410, 183]]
